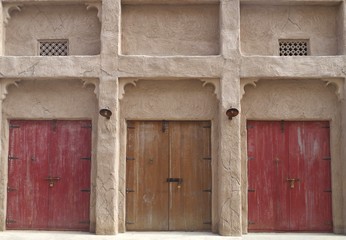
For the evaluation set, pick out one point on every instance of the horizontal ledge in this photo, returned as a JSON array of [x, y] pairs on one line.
[[180, 2], [55, 2], [293, 67], [292, 2], [189, 67], [49, 67]]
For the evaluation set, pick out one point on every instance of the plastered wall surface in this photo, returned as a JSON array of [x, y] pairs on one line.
[[44, 99], [262, 26], [164, 47], [295, 100], [170, 30], [168, 100], [73, 22]]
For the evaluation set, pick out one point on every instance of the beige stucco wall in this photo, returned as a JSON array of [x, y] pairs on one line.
[[261, 26], [293, 100], [40, 22], [168, 100], [170, 29], [47, 99]]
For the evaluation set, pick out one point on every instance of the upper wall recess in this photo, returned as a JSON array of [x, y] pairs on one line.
[[78, 24], [262, 26], [170, 29]]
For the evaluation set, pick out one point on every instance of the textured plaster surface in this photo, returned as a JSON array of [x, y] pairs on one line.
[[170, 29], [206, 46], [262, 26], [168, 100], [296, 100], [73, 22], [40, 99]]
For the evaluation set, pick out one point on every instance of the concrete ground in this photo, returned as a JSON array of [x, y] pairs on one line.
[[44, 235]]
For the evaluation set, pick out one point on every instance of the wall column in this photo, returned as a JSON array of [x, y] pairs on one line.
[[107, 172], [229, 166]]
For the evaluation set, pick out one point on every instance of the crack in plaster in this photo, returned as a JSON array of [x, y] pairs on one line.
[[31, 69], [104, 71], [105, 204]]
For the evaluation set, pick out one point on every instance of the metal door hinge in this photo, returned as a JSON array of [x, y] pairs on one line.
[[12, 158], [10, 221], [328, 190], [128, 222], [87, 126], [9, 189], [129, 190], [164, 125], [86, 158], [250, 222], [208, 222], [14, 126], [327, 158], [85, 190], [84, 222], [130, 158], [206, 190], [282, 126], [251, 190], [207, 158]]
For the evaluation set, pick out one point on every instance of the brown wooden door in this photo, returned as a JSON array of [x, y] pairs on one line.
[[168, 176], [43, 150], [289, 176]]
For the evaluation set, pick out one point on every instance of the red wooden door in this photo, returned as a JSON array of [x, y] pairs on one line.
[[289, 185], [49, 175], [168, 176]]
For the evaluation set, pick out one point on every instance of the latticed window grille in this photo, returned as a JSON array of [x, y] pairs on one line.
[[53, 47], [294, 47]]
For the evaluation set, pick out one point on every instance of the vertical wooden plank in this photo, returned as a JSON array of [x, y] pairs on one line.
[[70, 160], [309, 149], [147, 177], [267, 167], [27, 203], [190, 203]]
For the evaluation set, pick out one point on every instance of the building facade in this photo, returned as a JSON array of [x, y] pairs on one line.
[[137, 90]]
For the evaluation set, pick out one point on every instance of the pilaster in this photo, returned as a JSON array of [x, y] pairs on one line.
[[229, 27], [229, 167], [107, 196], [2, 35]]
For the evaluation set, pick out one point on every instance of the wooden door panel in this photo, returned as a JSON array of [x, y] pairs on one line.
[[27, 203], [190, 160], [310, 162], [71, 162], [157, 151], [267, 189], [304, 154], [147, 173], [42, 149]]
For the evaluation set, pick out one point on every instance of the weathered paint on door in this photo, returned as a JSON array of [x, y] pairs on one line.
[[289, 176], [168, 176], [39, 150]]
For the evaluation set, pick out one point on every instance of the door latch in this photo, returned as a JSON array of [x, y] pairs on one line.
[[177, 180], [52, 180], [292, 181]]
